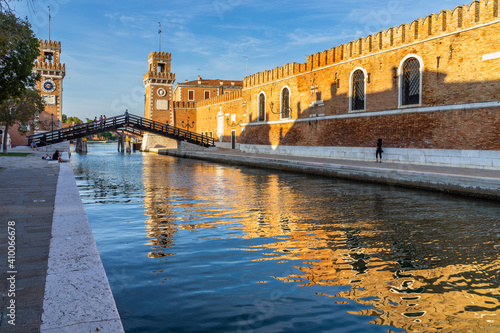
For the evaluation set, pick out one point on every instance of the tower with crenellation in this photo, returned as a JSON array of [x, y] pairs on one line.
[[159, 81], [52, 73]]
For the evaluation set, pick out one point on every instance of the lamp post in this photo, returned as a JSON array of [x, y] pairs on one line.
[[188, 126], [52, 123]]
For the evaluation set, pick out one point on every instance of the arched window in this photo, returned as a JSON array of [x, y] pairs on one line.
[[411, 82], [358, 91], [262, 107], [285, 103]]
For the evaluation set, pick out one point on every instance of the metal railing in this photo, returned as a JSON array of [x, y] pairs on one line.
[[121, 122]]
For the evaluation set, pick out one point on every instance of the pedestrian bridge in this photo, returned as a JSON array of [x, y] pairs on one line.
[[127, 123]]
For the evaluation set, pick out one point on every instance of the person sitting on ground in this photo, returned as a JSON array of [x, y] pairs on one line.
[[57, 156], [33, 145], [47, 157]]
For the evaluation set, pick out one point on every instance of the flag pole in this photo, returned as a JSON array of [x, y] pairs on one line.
[[49, 22], [159, 36]]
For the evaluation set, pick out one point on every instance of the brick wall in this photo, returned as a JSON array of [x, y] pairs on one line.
[[456, 50]]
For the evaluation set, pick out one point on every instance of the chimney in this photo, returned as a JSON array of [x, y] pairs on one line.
[[199, 77]]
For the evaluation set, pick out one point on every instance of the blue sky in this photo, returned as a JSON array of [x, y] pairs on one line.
[[105, 44]]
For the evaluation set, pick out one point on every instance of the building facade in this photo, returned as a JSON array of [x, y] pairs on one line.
[[430, 89], [201, 89], [178, 106]]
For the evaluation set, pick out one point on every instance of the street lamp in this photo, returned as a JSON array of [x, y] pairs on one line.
[[233, 124], [188, 126], [52, 123], [286, 109]]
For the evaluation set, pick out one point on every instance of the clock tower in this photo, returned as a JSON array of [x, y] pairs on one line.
[[159, 83], [52, 73]]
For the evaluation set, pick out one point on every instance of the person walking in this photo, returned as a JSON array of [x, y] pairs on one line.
[[379, 151], [126, 115]]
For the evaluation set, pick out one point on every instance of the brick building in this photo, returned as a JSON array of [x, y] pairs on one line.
[[201, 89], [178, 106], [430, 89]]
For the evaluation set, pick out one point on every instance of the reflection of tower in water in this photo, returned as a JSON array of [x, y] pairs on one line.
[[161, 224]]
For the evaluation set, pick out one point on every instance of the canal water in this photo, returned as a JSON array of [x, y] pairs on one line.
[[191, 246]]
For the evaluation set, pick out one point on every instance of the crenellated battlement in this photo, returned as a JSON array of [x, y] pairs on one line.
[[221, 99], [433, 25], [161, 55], [184, 105], [159, 75], [49, 43], [49, 66]]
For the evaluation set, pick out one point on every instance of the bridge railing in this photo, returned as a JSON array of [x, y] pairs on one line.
[[114, 123], [172, 131]]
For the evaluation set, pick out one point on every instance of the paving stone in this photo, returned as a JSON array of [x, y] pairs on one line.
[[33, 229]]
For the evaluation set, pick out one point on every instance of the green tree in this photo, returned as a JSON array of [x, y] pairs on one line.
[[18, 51], [19, 102], [71, 119], [21, 110]]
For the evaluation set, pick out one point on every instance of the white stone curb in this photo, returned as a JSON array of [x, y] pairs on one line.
[[77, 293]]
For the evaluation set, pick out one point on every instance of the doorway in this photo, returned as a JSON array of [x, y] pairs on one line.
[[233, 139]]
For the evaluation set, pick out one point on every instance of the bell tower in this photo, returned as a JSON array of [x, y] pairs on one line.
[[159, 83], [52, 73]]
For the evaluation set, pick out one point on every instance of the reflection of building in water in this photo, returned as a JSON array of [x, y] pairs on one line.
[[425, 298], [387, 264], [439, 276]]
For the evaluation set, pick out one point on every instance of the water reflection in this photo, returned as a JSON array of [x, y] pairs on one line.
[[421, 261], [248, 250]]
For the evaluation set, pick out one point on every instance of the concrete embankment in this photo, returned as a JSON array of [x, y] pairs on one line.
[[463, 181]]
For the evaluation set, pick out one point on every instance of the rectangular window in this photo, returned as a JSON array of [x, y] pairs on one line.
[[191, 95], [207, 94]]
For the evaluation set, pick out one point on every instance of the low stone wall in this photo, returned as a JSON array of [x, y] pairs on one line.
[[153, 143], [482, 159]]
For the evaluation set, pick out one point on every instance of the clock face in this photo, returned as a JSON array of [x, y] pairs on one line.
[[48, 86], [161, 92]]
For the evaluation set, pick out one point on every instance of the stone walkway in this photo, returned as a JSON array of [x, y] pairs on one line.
[[27, 195]]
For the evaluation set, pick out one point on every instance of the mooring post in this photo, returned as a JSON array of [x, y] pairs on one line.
[[81, 145]]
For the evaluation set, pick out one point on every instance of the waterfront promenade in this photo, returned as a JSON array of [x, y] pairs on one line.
[[56, 282], [482, 183]]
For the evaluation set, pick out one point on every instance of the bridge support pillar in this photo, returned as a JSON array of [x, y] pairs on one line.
[[128, 145], [121, 146], [81, 146]]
